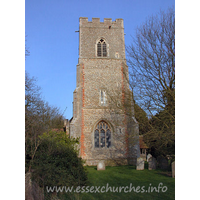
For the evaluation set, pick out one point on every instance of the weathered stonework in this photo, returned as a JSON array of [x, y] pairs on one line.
[[152, 163], [97, 75], [140, 164], [101, 165], [173, 169]]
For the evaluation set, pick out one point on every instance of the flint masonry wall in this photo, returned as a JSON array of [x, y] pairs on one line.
[[91, 32], [93, 75]]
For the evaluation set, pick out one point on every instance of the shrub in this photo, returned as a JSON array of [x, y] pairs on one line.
[[56, 162]]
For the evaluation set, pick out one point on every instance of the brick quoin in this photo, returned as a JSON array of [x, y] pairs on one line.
[[82, 146], [125, 120]]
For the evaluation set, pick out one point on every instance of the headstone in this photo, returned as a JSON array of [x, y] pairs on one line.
[[163, 162], [101, 165], [152, 163], [140, 164], [148, 156], [173, 169]]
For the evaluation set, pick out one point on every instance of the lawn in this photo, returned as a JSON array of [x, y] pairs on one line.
[[141, 182]]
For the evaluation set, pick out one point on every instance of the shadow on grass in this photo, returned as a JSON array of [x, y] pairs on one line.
[[116, 167], [164, 173], [128, 176]]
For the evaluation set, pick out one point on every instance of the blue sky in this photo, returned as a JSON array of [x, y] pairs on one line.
[[50, 27]]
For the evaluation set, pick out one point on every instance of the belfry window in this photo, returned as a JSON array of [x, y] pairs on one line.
[[101, 48], [102, 135]]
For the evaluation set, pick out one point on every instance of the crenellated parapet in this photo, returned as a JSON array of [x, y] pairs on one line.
[[107, 23], [91, 32]]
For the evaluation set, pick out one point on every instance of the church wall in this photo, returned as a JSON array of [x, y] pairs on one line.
[[96, 74]]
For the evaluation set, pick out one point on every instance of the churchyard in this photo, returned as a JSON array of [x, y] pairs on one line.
[[126, 182]]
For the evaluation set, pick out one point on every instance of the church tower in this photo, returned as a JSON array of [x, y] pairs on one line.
[[103, 115]]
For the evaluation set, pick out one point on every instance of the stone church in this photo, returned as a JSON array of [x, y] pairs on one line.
[[103, 115]]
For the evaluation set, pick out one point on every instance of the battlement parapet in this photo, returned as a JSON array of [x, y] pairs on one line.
[[118, 23]]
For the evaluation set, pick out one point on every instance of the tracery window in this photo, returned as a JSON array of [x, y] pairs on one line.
[[102, 135], [101, 48]]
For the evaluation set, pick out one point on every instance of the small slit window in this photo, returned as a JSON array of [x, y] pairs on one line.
[[101, 48], [103, 98]]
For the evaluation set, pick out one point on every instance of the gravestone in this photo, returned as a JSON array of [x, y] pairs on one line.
[[101, 165], [148, 156], [140, 164], [152, 163], [173, 169], [162, 162]]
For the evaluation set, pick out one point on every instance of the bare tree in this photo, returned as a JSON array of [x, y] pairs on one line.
[[27, 52], [151, 60], [40, 117]]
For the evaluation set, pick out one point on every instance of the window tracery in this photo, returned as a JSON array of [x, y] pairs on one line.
[[101, 48], [102, 135]]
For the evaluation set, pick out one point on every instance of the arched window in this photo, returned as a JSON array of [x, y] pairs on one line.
[[102, 135], [103, 98], [101, 48]]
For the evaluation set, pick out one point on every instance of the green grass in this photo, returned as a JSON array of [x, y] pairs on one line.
[[124, 176]]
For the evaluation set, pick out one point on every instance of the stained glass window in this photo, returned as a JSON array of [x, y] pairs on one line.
[[102, 135], [108, 138], [102, 138], [96, 138]]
